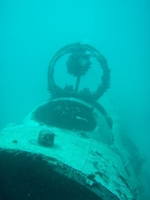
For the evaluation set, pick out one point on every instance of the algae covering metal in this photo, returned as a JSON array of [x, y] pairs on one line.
[[90, 165], [68, 148]]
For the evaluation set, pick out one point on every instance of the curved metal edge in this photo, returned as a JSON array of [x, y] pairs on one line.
[[57, 91]]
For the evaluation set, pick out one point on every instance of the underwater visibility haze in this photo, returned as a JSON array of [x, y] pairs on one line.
[[33, 31]]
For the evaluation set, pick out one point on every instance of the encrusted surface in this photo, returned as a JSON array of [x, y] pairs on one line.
[[100, 169]]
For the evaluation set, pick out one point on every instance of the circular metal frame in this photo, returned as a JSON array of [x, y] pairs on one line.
[[57, 92]]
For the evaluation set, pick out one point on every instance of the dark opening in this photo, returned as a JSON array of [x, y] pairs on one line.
[[66, 114], [25, 177]]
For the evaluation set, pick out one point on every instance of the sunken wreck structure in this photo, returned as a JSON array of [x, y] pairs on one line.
[[69, 147]]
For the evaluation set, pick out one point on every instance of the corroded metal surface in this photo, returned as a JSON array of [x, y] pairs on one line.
[[91, 163]]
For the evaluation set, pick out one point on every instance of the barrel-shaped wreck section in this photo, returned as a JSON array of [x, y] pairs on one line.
[[69, 148], [66, 150]]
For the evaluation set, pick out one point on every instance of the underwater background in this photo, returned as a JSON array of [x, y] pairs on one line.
[[31, 32]]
